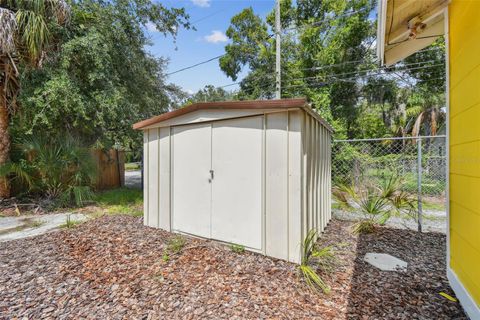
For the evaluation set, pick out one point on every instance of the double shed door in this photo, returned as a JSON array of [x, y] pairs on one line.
[[217, 180]]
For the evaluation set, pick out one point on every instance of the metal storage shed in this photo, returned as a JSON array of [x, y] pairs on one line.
[[253, 173]]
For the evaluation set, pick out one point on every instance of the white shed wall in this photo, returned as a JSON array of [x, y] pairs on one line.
[[296, 175], [316, 199]]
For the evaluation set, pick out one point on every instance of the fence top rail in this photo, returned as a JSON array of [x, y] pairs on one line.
[[392, 138]]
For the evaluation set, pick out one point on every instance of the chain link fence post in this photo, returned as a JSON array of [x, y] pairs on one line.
[[419, 183]]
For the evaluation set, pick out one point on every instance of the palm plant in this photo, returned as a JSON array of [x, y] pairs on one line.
[[342, 193], [377, 202], [58, 168], [374, 208], [25, 36], [424, 110], [323, 257]]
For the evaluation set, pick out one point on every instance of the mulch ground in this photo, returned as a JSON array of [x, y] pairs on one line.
[[112, 268]]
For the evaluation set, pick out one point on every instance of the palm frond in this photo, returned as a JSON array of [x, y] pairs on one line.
[[20, 171], [308, 245], [433, 122], [8, 29], [34, 31], [24, 26], [417, 125], [364, 226], [61, 10], [389, 186], [312, 279], [413, 111], [82, 194]]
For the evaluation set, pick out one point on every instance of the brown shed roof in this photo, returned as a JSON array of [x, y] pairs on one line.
[[225, 105]]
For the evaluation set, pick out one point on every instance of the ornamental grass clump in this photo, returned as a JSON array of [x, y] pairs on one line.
[[313, 258]]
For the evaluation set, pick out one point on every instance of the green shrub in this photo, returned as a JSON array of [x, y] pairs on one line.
[[59, 168], [237, 248]]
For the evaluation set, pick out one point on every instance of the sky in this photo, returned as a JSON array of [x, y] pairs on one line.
[[211, 18]]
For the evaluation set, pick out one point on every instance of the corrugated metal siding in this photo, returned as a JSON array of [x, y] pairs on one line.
[[296, 173], [156, 181], [464, 46], [164, 181], [276, 185], [294, 185], [317, 174]]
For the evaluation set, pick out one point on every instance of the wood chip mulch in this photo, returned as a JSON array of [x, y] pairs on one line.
[[112, 268]]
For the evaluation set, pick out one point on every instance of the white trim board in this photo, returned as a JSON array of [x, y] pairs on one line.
[[447, 140], [467, 302]]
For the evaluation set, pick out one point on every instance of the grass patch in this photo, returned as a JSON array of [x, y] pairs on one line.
[[176, 244], [132, 166], [121, 201], [69, 223], [35, 224], [435, 206]]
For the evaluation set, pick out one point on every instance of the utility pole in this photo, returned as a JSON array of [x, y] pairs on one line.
[[278, 73]]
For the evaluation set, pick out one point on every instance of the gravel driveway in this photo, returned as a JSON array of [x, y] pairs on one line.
[[433, 221], [112, 268]]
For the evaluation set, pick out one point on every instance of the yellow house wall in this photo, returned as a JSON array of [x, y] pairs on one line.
[[464, 57]]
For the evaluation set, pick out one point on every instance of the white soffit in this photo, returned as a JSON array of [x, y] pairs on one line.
[[407, 26]]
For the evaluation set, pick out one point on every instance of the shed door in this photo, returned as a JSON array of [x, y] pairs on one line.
[[229, 206], [191, 171], [237, 183]]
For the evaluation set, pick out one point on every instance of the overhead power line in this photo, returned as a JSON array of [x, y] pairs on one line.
[[208, 16], [269, 36], [406, 67], [332, 77], [195, 65]]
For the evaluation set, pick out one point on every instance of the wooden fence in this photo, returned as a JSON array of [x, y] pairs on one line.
[[110, 169]]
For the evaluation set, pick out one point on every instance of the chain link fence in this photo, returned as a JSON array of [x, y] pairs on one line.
[[420, 162]]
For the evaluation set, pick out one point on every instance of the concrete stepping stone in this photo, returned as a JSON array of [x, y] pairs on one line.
[[385, 262]]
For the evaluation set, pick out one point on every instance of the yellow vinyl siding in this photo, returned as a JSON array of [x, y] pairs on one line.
[[464, 55]]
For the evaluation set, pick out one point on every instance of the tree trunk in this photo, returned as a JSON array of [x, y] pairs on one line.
[[4, 141]]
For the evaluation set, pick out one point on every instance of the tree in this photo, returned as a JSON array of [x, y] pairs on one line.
[[210, 93], [26, 28], [101, 79], [321, 39], [424, 111], [381, 95], [425, 106], [253, 46]]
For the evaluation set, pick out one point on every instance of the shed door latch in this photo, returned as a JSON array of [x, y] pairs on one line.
[[211, 176]]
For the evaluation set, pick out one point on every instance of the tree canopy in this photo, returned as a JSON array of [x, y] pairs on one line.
[[328, 55], [101, 80]]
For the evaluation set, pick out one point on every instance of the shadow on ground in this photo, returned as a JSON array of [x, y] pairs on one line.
[[413, 294]]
